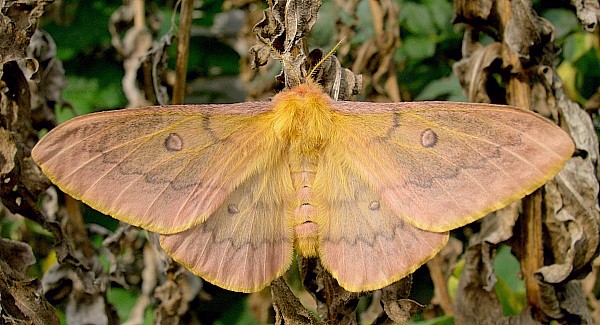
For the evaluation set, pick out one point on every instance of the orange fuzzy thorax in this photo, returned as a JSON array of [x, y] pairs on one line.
[[303, 118]]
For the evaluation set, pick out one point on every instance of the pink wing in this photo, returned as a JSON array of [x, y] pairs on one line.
[[440, 165], [164, 169], [247, 242], [362, 242], [396, 177]]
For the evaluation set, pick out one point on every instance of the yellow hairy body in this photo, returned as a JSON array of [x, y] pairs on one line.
[[303, 120]]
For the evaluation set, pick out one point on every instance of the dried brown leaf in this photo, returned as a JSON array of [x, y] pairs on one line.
[[570, 217], [440, 269], [21, 303], [283, 29], [286, 23], [18, 21], [30, 88], [132, 30], [261, 306], [175, 294], [476, 302], [375, 57], [8, 153], [588, 12], [288, 309], [334, 304], [47, 80], [395, 303]]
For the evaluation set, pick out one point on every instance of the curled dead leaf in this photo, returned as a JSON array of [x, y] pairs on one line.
[[283, 29], [21, 303], [588, 12]]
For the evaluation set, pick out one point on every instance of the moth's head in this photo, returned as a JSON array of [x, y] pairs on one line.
[[298, 95]]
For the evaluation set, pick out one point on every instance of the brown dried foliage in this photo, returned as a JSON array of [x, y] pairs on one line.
[[556, 235]]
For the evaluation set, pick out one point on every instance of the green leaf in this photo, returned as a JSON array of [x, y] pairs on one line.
[[323, 31], [87, 95], [443, 89], [507, 267], [563, 20], [364, 31], [512, 302], [418, 48], [588, 72], [207, 12], [124, 300], [86, 27], [510, 288], [238, 314], [442, 12], [417, 18], [576, 45], [442, 320]]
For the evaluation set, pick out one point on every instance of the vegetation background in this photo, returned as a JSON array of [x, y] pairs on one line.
[[84, 57]]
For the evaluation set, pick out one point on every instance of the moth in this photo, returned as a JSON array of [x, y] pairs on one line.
[[371, 189]]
